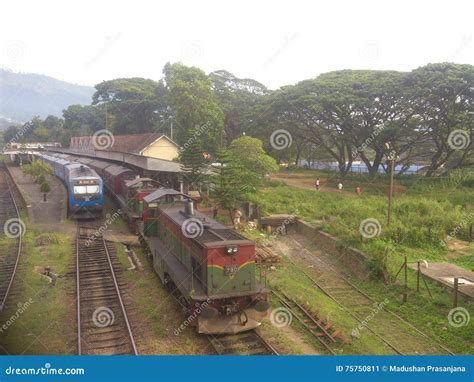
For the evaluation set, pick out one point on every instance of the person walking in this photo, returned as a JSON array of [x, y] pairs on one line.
[[358, 190], [317, 184], [339, 187], [237, 216]]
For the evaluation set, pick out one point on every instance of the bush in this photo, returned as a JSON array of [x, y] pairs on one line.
[[40, 179], [45, 188]]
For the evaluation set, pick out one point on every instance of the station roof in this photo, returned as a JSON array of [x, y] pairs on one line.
[[116, 169], [140, 161], [161, 193], [136, 181]]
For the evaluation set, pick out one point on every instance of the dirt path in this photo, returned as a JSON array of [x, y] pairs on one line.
[[397, 336], [308, 183]]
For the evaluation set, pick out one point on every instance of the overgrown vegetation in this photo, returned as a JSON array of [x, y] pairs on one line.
[[421, 226]]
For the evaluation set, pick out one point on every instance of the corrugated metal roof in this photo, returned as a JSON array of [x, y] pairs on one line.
[[117, 170], [99, 164], [135, 181], [160, 193]]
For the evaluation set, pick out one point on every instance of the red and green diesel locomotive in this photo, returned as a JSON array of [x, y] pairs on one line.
[[212, 266]]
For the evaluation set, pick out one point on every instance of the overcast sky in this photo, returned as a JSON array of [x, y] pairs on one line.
[[274, 42]]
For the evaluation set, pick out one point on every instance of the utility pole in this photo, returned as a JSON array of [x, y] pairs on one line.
[[390, 191], [391, 158]]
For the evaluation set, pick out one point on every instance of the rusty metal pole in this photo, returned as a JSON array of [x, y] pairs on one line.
[[456, 286], [390, 191], [405, 294]]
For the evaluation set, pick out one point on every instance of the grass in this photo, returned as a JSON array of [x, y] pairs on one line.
[[288, 277], [424, 214], [45, 326], [419, 223]]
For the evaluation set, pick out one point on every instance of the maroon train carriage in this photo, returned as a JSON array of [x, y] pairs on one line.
[[212, 266]]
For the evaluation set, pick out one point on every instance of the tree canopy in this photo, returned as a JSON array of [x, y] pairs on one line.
[[424, 116]]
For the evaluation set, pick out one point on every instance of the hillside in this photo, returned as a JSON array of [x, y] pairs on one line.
[[24, 95]]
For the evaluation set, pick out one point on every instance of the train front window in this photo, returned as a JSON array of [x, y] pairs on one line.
[[80, 189], [93, 189]]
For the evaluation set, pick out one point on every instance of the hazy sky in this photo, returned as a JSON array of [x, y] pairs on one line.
[[274, 42]]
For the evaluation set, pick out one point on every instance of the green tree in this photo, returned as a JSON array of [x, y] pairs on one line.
[[45, 188], [252, 157], [131, 104], [239, 100], [229, 183], [194, 105], [442, 95], [192, 158], [239, 170]]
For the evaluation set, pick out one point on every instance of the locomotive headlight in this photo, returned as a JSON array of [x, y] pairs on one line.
[[232, 249]]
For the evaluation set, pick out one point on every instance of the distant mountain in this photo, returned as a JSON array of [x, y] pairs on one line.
[[24, 95]]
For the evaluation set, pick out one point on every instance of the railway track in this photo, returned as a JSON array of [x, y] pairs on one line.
[[11, 225], [246, 343], [324, 332], [374, 317], [103, 326]]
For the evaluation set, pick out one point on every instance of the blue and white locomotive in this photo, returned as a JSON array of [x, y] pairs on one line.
[[84, 187]]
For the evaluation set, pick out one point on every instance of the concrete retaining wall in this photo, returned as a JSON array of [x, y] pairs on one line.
[[352, 258]]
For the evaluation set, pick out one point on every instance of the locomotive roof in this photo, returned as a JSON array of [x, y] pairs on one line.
[[78, 171], [212, 231]]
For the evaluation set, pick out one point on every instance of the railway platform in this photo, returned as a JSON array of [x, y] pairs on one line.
[[54, 210]]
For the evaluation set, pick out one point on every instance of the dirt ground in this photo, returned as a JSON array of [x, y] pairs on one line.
[[329, 184]]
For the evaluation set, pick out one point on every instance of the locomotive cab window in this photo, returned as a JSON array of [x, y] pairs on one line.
[[86, 189]]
